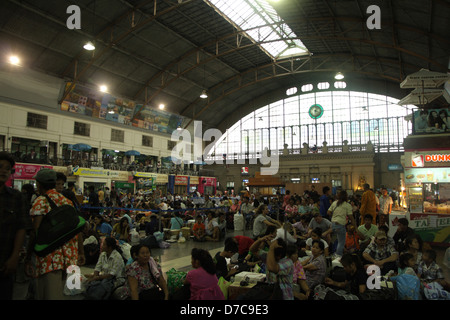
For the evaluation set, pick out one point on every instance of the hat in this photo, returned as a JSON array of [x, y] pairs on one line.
[[45, 176], [380, 235], [6, 156]]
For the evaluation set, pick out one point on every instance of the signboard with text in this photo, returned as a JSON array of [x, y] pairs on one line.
[[431, 227]]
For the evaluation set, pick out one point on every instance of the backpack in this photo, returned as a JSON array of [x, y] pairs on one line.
[[58, 226]]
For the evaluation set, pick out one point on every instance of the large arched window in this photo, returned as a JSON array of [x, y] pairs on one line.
[[357, 117]]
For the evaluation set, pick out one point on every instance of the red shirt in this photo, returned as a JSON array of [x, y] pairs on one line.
[[244, 243]]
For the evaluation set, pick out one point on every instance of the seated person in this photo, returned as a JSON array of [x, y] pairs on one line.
[[121, 230], [280, 268], [101, 227], [351, 240], [199, 230], [202, 280], [381, 253], [429, 271], [222, 223], [300, 288], [176, 222], [110, 264], [356, 276], [301, 227], [324, 224], [153, 225], [315, 266], [244, 243], [406, 263], [222, 269], [287, 233], [212, 228], [316, 234], [366, 231], [403, 232]]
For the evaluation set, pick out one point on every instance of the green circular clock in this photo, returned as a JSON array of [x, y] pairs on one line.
[[315, 111]]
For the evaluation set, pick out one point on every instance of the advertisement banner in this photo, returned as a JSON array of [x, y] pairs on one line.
[[427, 175], [181, 180], [431, 227], [27, 171], [431, 121], [100, 173]]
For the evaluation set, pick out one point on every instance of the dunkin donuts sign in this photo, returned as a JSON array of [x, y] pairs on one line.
[[419, 161]]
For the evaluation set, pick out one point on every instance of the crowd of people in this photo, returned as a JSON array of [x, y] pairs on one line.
[[294, 238]]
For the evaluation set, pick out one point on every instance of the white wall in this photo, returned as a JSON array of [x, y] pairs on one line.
[[60, 129]]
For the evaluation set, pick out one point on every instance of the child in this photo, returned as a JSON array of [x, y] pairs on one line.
[[199, 230], [429, 270], [351, 240], [406, 264]]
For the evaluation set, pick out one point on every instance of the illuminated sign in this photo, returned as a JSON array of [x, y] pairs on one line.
[[437, 157]]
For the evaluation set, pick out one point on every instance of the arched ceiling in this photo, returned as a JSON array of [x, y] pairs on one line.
[[168, 51]]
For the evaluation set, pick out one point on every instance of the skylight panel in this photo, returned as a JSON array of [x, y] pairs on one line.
[[261, 23]]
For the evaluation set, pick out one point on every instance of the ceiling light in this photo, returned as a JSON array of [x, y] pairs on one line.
[[162, 106], [14, 60], [89, 46], [339, 76], [179, 128], [103, 88], [111, 111], [204, 95]]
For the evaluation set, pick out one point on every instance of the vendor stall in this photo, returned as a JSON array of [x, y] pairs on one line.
[[427, 182]]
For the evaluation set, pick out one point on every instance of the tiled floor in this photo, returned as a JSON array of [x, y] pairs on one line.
[[178, 256]]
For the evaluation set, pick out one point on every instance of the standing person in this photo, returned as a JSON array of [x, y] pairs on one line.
[[247, 209], [339, 211], [50, 270], [386, 202], [325, 202], [313, 194], [101, 196], [61, 179], [202, 280], [93, 200], [14, 224], [368, 203]]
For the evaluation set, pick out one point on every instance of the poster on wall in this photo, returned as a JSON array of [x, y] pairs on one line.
[[431, 121], [433, 228], [85, 101]]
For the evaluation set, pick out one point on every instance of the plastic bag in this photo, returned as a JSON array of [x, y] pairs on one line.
[[175, 279], [408, 287], [224, 284], [434, 291]]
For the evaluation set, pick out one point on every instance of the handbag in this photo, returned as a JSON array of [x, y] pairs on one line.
[[58, 226], [264, 291], [155, 293], [99, 290]]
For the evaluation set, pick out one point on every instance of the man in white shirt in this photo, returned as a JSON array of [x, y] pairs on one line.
[[385, 202]]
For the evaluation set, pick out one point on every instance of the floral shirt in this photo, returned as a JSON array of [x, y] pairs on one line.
[[67, 254], [299, 272], [284, 277], [143, 277]]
